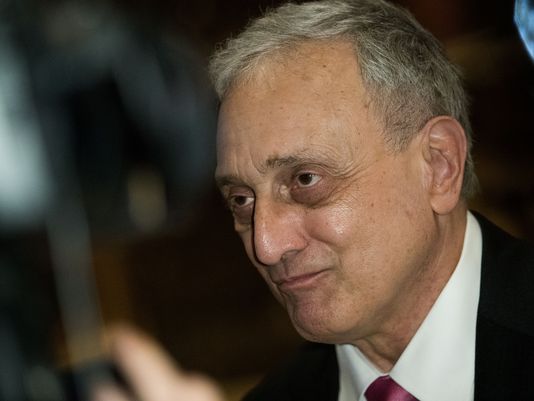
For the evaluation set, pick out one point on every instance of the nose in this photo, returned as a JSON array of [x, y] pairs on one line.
[[278, 232]]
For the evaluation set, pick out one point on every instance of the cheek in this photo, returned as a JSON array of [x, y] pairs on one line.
[[333, 225], [357, 231]]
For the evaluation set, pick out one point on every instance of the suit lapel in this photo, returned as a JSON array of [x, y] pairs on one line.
[[505, 323]]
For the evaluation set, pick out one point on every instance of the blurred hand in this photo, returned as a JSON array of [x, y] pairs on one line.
[[151, 373]]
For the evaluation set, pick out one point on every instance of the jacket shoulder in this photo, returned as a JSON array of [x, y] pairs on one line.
[[505, 324], [507, 286], [310, 374]]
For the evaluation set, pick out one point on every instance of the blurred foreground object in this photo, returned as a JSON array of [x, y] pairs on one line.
[[24, 178], [524, 19], [104, 128], [131, 108], [151, 372]]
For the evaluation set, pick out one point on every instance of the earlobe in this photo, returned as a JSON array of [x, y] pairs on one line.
[[444, 152]]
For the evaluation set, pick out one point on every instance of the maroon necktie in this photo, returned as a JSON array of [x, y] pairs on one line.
[[386, 389]]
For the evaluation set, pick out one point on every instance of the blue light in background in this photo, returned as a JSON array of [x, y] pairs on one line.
[[524, 19]]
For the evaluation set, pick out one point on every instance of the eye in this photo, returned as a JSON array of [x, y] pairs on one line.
[[240, 201], [310, 188], [307, 179], [241, 204]]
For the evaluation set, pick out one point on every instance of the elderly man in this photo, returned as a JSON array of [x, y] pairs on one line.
[[344, 156]]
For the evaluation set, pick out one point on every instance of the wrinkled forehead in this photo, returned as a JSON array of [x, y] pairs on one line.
[[313, 87], [312, 102], [306, 59]]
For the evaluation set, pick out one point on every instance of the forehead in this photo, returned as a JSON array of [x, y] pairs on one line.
[[309, 101]]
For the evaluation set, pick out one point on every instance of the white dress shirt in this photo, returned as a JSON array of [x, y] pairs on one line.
[[439, 362]]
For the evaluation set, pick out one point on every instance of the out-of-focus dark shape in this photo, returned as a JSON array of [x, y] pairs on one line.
[[105, 127], [26, 373], [25, 194], [135, 111], [117, 100], [524, 19]]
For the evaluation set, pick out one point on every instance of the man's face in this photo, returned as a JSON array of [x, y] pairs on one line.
[[339, 226]]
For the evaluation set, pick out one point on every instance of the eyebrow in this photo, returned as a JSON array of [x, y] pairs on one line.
[[272, 163], [224, 180], [277, 162]]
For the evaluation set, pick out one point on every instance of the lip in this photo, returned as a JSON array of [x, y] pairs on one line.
[[303, 281]]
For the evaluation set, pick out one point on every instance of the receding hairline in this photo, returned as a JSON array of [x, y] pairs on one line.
[[269, 64]]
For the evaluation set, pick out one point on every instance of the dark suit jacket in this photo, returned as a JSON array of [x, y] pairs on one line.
[[504, 361]]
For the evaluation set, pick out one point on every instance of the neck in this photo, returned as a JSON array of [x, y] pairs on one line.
[[386, 344]]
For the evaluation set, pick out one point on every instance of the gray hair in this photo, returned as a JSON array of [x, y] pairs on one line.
[[403, 67]]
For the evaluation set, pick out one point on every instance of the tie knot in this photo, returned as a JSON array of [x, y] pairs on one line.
[[386, 389]]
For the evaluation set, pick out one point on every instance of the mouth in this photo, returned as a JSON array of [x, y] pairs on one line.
[[300, 282]]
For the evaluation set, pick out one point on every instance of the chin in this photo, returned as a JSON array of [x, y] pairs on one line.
[[322, 327], [322, 335]]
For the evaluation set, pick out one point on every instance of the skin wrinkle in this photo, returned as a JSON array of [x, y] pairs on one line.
[[378, 269], [322, 157], [343, 175]]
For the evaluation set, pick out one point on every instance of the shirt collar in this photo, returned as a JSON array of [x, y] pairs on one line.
[[443, 346]]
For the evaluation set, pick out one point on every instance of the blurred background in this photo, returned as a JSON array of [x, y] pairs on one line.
[[108, 210]]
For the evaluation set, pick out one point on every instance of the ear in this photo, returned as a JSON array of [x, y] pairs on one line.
[[444, 152]]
